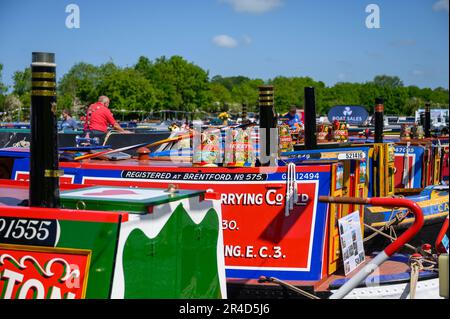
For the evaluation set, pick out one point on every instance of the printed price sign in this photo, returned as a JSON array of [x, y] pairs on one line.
[[351, 241]]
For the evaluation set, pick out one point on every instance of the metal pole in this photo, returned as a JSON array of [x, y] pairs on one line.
[[244, 111], [44, 172], [267, 122], [422, 119], [427, 126], [391, 248], [310, 119], [379, 119]]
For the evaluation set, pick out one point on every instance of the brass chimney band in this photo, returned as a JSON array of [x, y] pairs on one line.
[[43, 84]]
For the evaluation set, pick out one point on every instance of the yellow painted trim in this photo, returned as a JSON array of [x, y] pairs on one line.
[[44, 84], [53, 173], [43, 75], [43, 93], [410, 220], [425, 203]]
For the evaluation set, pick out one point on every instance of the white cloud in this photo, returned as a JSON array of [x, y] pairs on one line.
[[225, 41], [254, 6], [441, 5]]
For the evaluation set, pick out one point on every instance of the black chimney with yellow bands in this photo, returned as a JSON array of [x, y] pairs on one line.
[[44, 172], [427, 126], [267, 124]]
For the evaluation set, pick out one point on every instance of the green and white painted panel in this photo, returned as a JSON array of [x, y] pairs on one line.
[[176, 251]]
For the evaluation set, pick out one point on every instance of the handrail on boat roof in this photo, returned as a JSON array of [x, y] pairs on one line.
[[391, 248]]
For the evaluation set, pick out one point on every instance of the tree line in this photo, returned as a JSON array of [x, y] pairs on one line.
[[176, 84]]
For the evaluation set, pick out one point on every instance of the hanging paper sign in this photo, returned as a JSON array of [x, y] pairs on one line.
[[351, 241]]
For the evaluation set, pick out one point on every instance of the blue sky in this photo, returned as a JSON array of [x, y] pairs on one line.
[[325, 39]]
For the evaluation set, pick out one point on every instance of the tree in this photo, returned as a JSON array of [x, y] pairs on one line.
[[343, 93], [246, 93], [219, 96], [3, 90], [290, 91], [387, 81], [231, 81], [144, 66], [78, 86], [22, 86], [180, 85], [176, 84], [128, 90], [13, 105]]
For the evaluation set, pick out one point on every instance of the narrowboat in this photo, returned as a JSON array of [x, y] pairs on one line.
[[281, 212]]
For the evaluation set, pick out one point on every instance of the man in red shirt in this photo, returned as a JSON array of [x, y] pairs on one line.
[[98, 116]]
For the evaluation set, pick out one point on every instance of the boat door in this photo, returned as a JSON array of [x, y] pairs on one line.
[[445, 165], [384, 168], [360, 188], [437, 151], [427, 165], [337, 185]]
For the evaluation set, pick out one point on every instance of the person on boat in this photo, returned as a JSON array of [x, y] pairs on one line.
[[98, 117], [292, 119], [68, 123]]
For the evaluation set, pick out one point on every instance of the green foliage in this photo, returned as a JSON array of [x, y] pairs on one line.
[[176, 84], [230, 82], [179, 85], [3, 87], [79, 85], [22, 86], [219, 95], [387, 81], [247, 92], [3, 90], [290, 91], [128, 90]]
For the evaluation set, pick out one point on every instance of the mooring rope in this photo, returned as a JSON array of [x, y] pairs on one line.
[[417, 265], [107, 136], [380, 232], [10, 139], [22, 143]]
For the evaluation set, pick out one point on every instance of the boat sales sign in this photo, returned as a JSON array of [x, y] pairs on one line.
[[351, 114]]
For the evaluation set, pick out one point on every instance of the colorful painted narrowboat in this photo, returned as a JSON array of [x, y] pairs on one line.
[[276, 231]]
